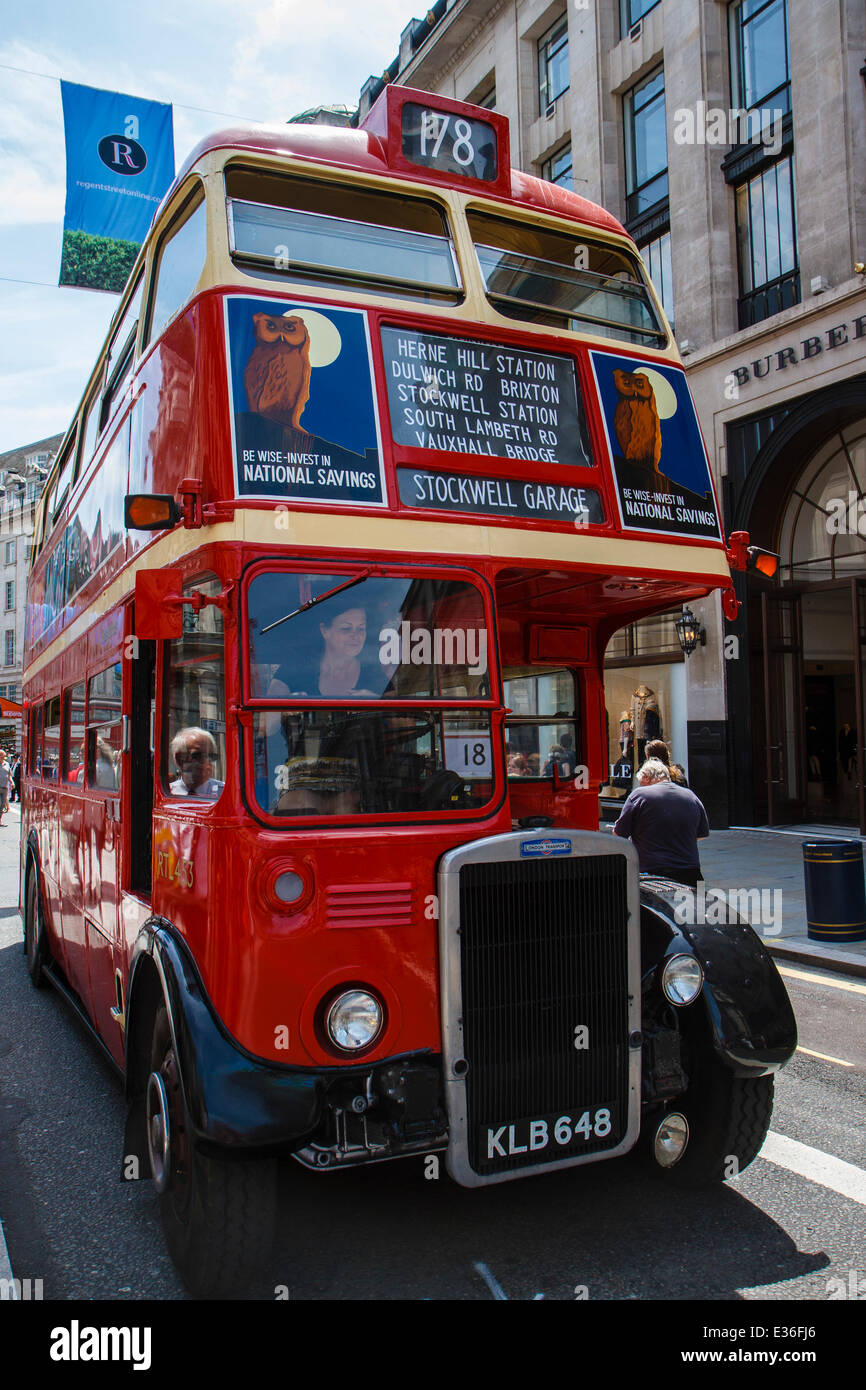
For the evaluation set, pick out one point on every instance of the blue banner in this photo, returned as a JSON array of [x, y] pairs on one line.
[[119, 164]]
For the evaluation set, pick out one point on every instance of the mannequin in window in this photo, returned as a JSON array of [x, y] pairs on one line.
[[626, 735], [646, 718]]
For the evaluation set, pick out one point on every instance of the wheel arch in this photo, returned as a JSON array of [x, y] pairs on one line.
[[743, 1010]]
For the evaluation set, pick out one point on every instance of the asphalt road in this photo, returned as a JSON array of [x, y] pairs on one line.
[[604, 1232]]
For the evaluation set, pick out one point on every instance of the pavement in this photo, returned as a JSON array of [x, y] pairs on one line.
[[772, 861]]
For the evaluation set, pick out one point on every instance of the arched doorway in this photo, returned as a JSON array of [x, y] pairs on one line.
[[807, 633]]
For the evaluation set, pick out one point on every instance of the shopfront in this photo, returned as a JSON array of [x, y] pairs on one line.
[[645, 698], [787, 417]]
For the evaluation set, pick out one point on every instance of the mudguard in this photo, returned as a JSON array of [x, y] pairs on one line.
[[747, 1009], [233, 1100]]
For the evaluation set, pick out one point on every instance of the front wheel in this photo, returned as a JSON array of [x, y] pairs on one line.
[[728, 1119], [218, 1215]]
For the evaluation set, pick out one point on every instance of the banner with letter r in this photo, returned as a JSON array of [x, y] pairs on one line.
[[119, 164]]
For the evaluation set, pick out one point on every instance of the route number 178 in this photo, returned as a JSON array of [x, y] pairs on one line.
[[435, 125]]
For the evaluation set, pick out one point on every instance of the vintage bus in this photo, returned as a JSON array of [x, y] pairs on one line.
[[385, 442]]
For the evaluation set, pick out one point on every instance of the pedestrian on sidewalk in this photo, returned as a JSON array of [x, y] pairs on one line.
[[657, 748], [16, 779], [5, 779], [664, 822]]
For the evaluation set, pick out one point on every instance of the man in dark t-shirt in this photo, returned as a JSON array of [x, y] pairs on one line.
[[664, 822]]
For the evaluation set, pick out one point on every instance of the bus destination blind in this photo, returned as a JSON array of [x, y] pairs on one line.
[[452, 144], [472, 492], [466, 397]]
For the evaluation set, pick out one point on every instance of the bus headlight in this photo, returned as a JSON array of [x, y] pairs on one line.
[[354, 1020], [682, 979]]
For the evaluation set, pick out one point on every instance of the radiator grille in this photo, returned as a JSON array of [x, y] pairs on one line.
[[543, 950]]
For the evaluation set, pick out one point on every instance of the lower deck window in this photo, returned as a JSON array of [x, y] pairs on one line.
[[542, 732], [193, 744]]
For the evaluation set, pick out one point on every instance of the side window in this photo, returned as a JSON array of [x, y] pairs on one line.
[[181, 261], [104, 725], [34, 764], [121, 354], [91, 433], [542, 731], [64, 476], [74, 735], [51, 741], [193, 745]]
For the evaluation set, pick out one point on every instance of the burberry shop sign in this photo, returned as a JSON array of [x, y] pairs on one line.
[[785, 357]]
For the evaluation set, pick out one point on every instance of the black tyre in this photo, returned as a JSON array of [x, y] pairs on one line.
[[728, 1120], [218, 1215], [35, 947]]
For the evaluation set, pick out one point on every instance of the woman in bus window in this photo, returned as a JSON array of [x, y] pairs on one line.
[[341, 673]]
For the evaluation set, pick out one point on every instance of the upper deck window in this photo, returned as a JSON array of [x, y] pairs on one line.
[[181, 261], [64, 476], [556, 278], [326, 233], [121, 354]]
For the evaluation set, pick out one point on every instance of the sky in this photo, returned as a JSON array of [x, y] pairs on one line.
[[215, 61]]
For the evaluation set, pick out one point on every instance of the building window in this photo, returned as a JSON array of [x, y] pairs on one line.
[[657, 259], [9, 653], [10, 552], [646, 151], [10, 595], [557, 169], [630, 11], [487, 99], [767, 243], [553, 64], [760, 76]]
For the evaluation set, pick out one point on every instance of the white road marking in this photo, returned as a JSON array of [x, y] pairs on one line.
[[840, 1062], [492, 1283], [821, 979], [5, 1266], [845, 1178]]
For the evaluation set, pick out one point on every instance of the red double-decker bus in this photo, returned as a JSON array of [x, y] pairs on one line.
[[385, 441]]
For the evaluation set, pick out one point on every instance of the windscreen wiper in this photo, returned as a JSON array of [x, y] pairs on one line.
[[320, 598]]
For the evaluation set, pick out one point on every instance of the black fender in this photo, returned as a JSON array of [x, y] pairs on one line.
[[745, 1005], [233, 1099], [235, 1102]]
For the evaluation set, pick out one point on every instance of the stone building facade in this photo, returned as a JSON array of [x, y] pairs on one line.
[[22, 477], [730, 139]]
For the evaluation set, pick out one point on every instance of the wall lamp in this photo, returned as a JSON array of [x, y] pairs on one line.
[[690, 632]]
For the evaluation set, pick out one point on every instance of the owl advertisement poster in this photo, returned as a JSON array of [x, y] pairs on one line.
[[659, 462], [305, 425]]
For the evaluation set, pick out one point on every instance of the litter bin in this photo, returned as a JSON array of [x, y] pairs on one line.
[[835, 890]]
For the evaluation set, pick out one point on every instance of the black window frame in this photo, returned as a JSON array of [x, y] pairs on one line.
[[758, 302], [546, 168], [778, 97], [635, 189], [546, 52], [627, 20]]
